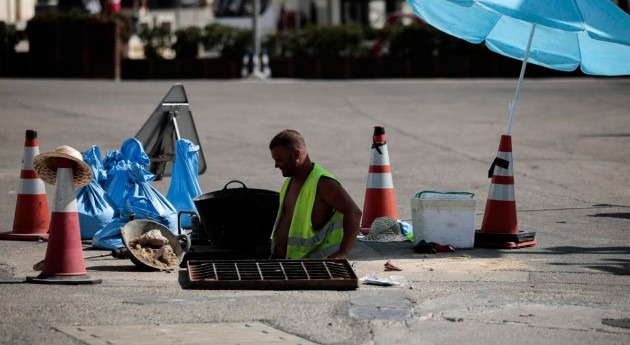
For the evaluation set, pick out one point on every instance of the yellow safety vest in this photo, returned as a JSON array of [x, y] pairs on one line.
[[304, 242]]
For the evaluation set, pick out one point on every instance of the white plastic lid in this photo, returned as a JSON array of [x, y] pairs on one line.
[[433, 195]]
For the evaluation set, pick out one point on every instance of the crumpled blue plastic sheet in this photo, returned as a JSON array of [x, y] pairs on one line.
[[129, 186], [95, 207], [184, 184]]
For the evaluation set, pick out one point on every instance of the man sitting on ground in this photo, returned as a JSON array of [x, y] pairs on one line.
[[316, 218]]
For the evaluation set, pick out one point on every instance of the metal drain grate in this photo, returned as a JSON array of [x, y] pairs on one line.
[[272, 275]]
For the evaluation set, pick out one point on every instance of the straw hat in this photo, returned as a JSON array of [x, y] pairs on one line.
[[385, 229], [46, 166]]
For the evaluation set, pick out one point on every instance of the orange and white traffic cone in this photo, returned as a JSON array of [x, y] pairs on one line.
[[31, 219], [64, 263], [380, 196], [499, 228]]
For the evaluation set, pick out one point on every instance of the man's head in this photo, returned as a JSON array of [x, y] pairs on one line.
[[288, 150]]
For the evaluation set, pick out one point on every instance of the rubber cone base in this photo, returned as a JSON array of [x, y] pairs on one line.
[[518, 240], [23, 237], [63, 280]]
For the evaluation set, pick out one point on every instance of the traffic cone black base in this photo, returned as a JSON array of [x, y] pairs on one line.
[[521, 239]]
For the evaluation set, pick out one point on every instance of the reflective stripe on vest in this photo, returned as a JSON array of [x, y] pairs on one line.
[[324, 253], [304, 241], [319, 235]]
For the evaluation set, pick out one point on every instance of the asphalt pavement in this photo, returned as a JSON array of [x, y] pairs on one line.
[[571, 152]]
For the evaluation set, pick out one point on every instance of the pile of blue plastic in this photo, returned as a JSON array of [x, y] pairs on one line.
[[122, 187]]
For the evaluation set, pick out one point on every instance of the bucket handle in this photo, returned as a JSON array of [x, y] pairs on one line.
[[237, 181], [179, 219]]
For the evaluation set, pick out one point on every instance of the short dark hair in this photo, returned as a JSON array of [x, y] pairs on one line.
[[289, 138]]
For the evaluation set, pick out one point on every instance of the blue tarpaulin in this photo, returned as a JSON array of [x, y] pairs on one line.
[[129, 186], [184, 184], [95, 207]]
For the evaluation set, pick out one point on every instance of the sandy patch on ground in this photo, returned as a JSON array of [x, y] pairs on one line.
[[465, 266]]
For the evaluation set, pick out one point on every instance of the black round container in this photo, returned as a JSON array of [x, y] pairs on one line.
[[238, 218]]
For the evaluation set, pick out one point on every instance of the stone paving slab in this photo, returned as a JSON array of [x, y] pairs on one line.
[[482, 333], [242, 333]]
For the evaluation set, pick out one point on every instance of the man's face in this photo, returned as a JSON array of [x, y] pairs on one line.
[[286, 160]]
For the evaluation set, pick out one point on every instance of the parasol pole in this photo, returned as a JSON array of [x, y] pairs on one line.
[[173, 116], [514, 102]]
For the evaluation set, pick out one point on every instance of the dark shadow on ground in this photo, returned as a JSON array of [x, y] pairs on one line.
[[368, 250], [621, 215], [111, 268], [582, 250], [605, 135], [613, 265], [183, 280]]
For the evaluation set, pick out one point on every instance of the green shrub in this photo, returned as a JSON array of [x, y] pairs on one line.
[[187, 44], [414, 41], [452, 46], [155, 40], [214, 36], [237, 43], [227, 41], [318, 41], [9, 38], [333, 41], [287, 44]]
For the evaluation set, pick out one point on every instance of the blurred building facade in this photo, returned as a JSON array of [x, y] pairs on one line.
[[184, 13]]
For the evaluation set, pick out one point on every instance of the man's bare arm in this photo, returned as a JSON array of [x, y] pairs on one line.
[[333, 194]]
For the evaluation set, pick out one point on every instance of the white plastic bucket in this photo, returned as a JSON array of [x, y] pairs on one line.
[[444, 218]]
